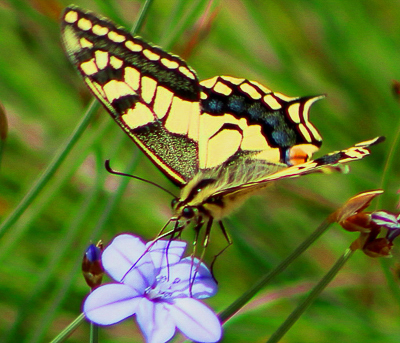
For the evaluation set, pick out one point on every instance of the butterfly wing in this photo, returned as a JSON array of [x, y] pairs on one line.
[[242, 119], [152, 95], [247, 133], [260, 136], [354, 153]]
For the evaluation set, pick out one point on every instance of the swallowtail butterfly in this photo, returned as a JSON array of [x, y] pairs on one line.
[[220, 140]]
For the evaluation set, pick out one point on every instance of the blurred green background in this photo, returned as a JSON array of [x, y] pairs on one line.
[[349, 50]]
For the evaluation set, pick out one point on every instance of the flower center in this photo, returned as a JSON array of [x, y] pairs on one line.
[[162, 288]]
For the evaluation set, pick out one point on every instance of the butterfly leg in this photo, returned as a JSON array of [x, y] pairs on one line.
[[228, 240], [197, 230], [194, 268], [173, 233]]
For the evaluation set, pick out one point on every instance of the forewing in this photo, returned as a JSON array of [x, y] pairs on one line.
[[151, 94], [243, 119]]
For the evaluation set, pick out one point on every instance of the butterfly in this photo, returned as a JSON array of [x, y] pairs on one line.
[[220, 140]]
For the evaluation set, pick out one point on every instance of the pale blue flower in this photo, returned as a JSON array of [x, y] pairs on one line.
[[156, 285]]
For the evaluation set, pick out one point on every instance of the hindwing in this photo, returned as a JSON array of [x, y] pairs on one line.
[[260, 180], [243, 119]]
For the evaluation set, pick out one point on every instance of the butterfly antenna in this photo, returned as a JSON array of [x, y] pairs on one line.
[[112, 171]]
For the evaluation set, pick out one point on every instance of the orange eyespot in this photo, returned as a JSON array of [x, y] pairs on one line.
[[300, 153]]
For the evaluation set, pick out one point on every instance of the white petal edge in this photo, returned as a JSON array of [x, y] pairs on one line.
[[195, 320], [111, 303]]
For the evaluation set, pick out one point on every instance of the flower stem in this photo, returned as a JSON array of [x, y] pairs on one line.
[[239, 303], [142, 15], [64, 334], [62, 154], [50, 170], [315, 292], [94, 333]]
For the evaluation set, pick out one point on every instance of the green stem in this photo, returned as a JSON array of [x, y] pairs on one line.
[[239, 303], [392, 283], [94, 333], [50, 170], [61, 155], [63, 335], [315, 292], [139, 22]]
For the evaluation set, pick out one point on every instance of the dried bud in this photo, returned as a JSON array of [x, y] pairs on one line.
[[350, 215], [379, 247], [91, 265], [360, 222]]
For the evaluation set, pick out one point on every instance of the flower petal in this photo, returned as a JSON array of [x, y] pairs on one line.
[[386, 219], [181, 283], [195, 320], [111, 303], [126, 260], [155, 322], [165, 252]]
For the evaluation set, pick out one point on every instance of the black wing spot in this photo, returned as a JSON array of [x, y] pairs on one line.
[[124, 103], [330, 159], [215, 106], [237, 104], [83, 55], [107, 74], [284, 138]]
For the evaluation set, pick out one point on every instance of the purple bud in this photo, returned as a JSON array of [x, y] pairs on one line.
[[92, 268]]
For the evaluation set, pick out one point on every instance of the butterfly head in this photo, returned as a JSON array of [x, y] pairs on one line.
[[183, 212], [198, 200]]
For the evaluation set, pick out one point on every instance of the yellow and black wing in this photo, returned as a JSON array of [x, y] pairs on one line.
[[242, 119], [153, 95], [187, 127], [250, 136], [260, 180]]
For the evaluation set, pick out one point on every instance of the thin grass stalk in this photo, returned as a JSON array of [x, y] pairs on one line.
[[315, 292], [69, 329], [240, 302], [94, 333], [50, 170], [64, 151]]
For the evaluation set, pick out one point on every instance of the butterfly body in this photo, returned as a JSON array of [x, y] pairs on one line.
[[220, 140]]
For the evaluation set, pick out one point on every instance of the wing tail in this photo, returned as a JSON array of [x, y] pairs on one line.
[[354, 153]]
